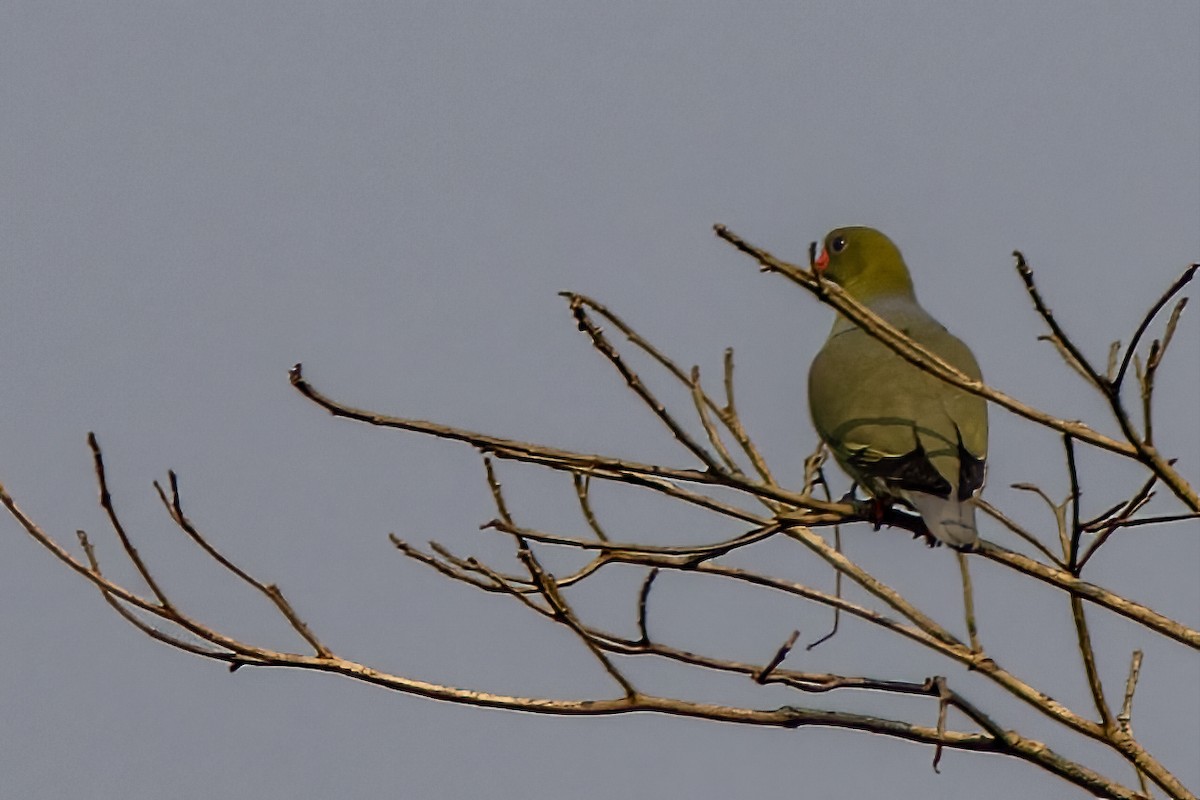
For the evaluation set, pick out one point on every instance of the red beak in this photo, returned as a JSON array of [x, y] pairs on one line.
[[822, 260]]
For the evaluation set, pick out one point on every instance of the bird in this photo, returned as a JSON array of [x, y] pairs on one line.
[[897, 431]]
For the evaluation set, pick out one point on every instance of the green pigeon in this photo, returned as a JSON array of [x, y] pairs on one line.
[[900, 433]]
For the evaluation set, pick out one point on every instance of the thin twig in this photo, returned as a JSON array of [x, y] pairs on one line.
[[814, 474], [1068, 357], [271, 591], [1135, 670], [1060, 519], [1134, 523], [732, 419], [1059, 336], [728, 414], [634, 382], [549, 589], [1009, 523], [497, 492], [1174, 289], [1153, 360], [1115, 518], [656, 477], [1114, 353], [583, 484], [943, 704], [1088, 654], [1098, 595], [1125, 716], [692, 553], [969, 603], [643, 606], [763, 674], [115, 522], [700, 400], [1072, 556]]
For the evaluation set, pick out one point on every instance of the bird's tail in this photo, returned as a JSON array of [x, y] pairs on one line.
[[950, 520]]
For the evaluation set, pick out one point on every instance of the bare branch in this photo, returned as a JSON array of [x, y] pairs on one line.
[[1057, 335], [1173, 290], [700, 400], [1116, 517], [801, 517], [606, 348], [582, 482], [1088, 654], [1089, 591], [1153, 360], [1072, 554], [643, 601], [650, 476], [563, 613], [728, 414], [969, 603], [765, 673], [115, 522], [1125, 717], [175, 508], [1007, 522]]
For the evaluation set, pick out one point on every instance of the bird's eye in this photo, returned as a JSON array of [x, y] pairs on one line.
[[837, 245]]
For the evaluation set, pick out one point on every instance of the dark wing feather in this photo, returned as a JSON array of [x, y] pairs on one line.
[[971, 471], [912, 472]]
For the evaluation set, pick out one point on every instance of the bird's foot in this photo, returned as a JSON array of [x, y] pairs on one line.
[[873, 509]]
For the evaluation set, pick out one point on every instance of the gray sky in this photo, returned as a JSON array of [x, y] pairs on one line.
[[196, 196]]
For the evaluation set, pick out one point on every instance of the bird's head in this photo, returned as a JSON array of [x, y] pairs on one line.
[[864, 262]]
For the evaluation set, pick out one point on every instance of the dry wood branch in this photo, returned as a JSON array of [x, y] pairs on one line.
[[764, 674], [661, 479], [1125, 716], [601, 467], [1173, 290], [1074, 585], [993, 739], [1153, 360], [583, 485], [969, 603], [1009, 523], [925, 632], [700, 400], [115, 522], [1088, 654], [244, 654], [1059, 337], [174, 507], [792, 520], [727, 414], [1115, 518], [1072, 551], [642, 605], [563, 613], [634, 381]]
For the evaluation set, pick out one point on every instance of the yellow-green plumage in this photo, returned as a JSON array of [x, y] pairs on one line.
[[899, 432]]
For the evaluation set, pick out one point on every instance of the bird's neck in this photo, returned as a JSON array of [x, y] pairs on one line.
[[897, 307], [881, 285]]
